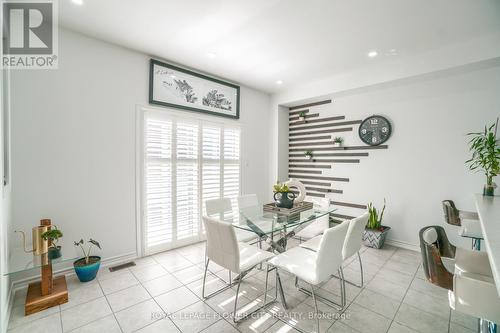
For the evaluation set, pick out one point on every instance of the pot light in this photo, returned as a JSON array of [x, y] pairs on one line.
[[77, 2], [372, 54], [211, 55], [279, 82]]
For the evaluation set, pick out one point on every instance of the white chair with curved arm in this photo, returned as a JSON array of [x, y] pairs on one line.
[[467, 221], [315, 268], [224, 249], [352, 243]]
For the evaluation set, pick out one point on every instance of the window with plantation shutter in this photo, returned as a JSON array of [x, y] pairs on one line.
[[186, 162]]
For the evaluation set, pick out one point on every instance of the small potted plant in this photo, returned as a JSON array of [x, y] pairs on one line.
[[86, 268], [337, 141], [52, 236], [485, 148], [302, 116], [282, 196], [308, 154], [375, 233]]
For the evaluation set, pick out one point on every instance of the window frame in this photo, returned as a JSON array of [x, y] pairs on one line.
[[177, 116]]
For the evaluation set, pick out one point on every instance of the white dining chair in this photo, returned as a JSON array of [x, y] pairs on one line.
[[247, 200], [319, 225], [352, 243], [224, 249], [220, 207], [316, 267]]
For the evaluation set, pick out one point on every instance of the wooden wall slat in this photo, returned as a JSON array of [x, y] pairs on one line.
[[324, 119], [333, 130], [333, 179], [326, 190], [312, 115], [327, 125], [310, 104], [297, 112], [339, 148], [314, 166], [329, 161], [347, 204], [331, 155], [318, 172], [340, 216], [321, 195], [298, 144], [321, 137], [308, 182]]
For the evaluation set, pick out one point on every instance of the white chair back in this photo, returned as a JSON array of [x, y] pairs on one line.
[[329, 255], [222, 245], [354, 238], [319, 225], [218, 206], [247, 200]]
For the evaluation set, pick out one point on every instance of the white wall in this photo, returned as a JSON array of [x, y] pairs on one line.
[[74, 142], [425, 161]]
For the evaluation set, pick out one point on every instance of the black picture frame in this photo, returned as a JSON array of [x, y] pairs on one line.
[[212, 111]]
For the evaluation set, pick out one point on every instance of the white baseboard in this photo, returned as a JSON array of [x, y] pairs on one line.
[[111, 261], [403, 245]]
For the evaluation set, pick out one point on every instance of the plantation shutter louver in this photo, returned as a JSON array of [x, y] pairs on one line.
[[185, 163]]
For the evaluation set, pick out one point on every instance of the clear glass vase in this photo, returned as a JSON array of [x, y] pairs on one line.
[[489, 190]]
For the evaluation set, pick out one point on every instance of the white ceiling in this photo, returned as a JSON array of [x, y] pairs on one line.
[[257, 42]]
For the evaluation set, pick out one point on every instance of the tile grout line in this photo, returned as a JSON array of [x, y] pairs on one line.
[[403, 298], [107, 301]]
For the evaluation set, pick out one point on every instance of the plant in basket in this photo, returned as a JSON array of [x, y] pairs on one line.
[[375, 233], [86, 268], [282, 196]]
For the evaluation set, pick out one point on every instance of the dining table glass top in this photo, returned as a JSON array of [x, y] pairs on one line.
[[255, 219]]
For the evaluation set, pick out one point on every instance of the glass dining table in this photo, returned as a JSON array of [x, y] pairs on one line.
[[273, 228]]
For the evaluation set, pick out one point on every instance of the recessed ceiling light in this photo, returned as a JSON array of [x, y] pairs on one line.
[[172, 76], [279, 82], [77, 2], [392, 52], [211, 55], [372, 54]]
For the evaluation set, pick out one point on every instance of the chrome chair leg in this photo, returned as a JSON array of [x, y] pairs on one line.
[[342, 287], [361, 270], [315, 307], [361, 274], [325, 300], [235, 318], [229, 285]]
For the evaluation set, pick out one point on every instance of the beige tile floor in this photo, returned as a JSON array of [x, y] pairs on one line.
[[163, 294]]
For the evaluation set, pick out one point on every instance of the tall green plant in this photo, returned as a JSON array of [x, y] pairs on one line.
[[485, 150], [374, 219]]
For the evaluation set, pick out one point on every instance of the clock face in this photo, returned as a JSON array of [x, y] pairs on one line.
[[375, 130]]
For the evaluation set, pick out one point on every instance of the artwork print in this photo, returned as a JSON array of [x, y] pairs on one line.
[[181, 88]]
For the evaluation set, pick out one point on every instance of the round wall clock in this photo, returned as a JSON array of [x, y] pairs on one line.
[[375, 130]]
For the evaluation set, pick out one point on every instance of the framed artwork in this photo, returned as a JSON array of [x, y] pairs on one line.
[[180, 88]]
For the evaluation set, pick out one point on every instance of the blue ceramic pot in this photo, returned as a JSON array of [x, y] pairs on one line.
[[88, 272]]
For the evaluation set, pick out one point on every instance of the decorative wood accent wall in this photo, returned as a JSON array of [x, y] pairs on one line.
[[316, 134]]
